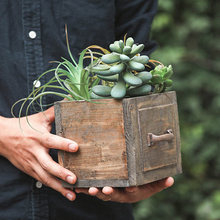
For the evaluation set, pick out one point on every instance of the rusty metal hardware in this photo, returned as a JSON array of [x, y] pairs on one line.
[[152, 138]]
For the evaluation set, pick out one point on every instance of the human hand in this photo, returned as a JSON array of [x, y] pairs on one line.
[[28, 149], [128, 194]]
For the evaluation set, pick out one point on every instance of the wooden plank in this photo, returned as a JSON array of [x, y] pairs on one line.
[[131, 137], [99, 131], [98, 183], [155, 114], [59, 130], [178, 139]]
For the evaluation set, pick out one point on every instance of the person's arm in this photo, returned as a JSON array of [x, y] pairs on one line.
[[28, 150]]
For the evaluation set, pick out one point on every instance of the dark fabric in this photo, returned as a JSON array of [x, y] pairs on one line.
[[23, 59]]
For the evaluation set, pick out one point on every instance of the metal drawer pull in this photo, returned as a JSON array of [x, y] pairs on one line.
[[152, 138]]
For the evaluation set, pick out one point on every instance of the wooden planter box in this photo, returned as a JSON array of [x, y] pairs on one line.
[[122, 143]]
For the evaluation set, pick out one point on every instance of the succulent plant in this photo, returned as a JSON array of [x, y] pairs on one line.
[[161, 78], [124, 67]]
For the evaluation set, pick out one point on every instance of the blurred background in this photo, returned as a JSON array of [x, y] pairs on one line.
[[186, 32]]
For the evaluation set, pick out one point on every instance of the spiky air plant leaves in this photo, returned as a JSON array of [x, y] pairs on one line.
[[69, 80]]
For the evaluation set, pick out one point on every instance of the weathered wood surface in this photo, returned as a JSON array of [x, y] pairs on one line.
[[99, 131], [152, 114], [113, 140]]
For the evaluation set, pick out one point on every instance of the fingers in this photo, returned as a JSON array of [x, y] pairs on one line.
[[169, 182], [52, 182], [53, 168], [112, 194], [56, 142], [93, 191], [128, 194], [158, 186]]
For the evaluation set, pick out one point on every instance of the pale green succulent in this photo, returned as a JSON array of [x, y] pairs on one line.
[[125, 68]]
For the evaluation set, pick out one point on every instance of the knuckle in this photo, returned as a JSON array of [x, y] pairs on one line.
[[44, 165], [60, 173], [46, 182], [47, 139], [30, 137], [62, 192]]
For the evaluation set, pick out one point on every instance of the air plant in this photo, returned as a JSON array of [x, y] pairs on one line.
[[70, 80]]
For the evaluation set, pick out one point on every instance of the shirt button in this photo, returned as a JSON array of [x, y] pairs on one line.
[[39, 184], [32, 34], [37, 83]]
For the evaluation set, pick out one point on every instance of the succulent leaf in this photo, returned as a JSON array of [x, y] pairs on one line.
[[113, 78], [136, 66], [168, 73], [115, 47], [124, 58], [101, 90], [127, 50], [168, 82], [104, 73], [94, 96], [119, 90], [129, 42], [136, 49], [110, 58], [141, 59], [144, 76], [157, 79], [117, 68], [121, 44], [100, 67], [139, 91], [131, 79]]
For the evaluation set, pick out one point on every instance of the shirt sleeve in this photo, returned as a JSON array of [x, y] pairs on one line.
[[135, 17]]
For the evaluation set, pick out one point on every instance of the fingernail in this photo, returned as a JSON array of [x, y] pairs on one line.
[[73, 147], [169, 182], [69, 196], [70, 179], [107, 190], [93, 191]]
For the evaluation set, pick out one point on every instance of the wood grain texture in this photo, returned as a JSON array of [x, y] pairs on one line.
[[156, 114], [131, 137], [112, 137], [99, 131]]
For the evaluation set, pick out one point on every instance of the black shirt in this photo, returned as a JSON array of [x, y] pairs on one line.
[[32, 34]]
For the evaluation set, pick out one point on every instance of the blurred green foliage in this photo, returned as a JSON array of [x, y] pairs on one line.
[[186, 32]]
